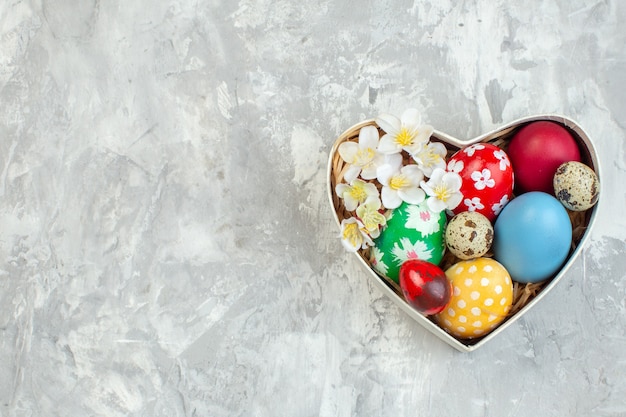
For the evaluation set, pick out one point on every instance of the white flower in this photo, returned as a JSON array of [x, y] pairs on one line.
[[499, 206], [503, 158], [356, 193], [405, 133], [422, 219], [353, 235], [471, 149], [400, 183], [483, 179], [473, 204], [430, 157], [455, 166], [371, 217], [363, 157], [444, 190], [407, 250]]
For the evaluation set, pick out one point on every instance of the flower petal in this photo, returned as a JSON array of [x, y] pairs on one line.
[[348, 246], [368, 137], [347, 151], [412, 195], [369, 172], [427, 188], [351, 173], [428, 170], [436, 176], [395, 160], [414, 148], [349, 202], [435, 205], [414, 173], [373, 201], [424, 133], [389, 123], [454, 200], [384, 174], [341, 188], [391, 199], [438, 148], [367, 241], [388, 146], [452, 180]]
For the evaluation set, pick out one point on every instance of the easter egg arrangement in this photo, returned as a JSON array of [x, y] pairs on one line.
[[463, 235]]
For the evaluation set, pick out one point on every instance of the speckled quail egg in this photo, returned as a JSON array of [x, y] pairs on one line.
[[576, 186], [469, 235]]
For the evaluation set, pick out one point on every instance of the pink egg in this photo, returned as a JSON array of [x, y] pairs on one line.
[[487, 179], [536, 151]]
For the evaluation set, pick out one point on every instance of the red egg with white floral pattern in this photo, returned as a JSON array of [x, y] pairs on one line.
[[487, 179]]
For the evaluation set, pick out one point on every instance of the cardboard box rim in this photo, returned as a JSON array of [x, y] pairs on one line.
[[589, 156]]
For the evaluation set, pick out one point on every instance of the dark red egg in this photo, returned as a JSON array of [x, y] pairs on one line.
[[487, 177], [536, 151], [425, 286]]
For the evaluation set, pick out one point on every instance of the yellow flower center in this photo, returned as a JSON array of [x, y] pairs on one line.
[[398, 182], [404, 137], [442, 192], [372, 219], [352, 234], [357, 192], [429, 158], [363, 157]]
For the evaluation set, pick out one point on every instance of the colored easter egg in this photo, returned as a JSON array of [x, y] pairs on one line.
[[536, 151], [532, 237], [482, 295], [425, 286], [487, 178], [413, 232]]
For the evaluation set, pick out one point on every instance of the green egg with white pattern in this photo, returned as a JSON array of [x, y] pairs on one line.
[[413, 232]]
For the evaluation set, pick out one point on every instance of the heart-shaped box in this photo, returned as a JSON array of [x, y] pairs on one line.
[[500, 136]]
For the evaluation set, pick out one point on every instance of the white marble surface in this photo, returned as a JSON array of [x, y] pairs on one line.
[[166, 244]]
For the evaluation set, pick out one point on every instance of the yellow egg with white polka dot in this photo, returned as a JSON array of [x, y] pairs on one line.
[[482, 295]]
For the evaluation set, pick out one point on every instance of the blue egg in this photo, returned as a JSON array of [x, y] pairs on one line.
[[532, 237]]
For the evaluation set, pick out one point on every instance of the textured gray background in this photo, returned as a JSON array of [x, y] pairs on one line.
[[166, 245]]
